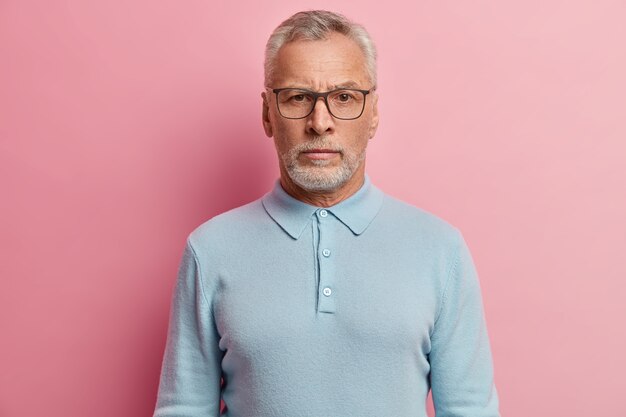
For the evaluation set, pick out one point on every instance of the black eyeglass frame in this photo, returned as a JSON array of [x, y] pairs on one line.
[[316, 97]]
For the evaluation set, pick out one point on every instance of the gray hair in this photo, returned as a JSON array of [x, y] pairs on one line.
[[318, 25]]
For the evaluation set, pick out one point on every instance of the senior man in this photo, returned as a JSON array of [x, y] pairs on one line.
[[326, 297]]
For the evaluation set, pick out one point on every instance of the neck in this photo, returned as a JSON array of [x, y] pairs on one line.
[[323, 198]]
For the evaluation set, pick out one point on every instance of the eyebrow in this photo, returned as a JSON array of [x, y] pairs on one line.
[[346, 84]]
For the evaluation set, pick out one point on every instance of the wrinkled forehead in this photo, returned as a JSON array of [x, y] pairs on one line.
[[336, 61]]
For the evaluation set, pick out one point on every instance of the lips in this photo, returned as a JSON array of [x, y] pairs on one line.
[[320, 153]]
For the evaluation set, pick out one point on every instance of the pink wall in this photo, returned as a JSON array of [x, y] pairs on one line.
[[123, 125]]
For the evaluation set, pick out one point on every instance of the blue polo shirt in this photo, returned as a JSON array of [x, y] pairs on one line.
[[284, 309]]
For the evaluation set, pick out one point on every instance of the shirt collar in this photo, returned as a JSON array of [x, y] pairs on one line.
[[292, 215]]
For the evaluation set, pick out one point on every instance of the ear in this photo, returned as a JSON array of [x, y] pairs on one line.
[[267, 126], [374, 123]]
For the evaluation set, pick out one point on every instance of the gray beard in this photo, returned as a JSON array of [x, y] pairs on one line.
[[318, 176]]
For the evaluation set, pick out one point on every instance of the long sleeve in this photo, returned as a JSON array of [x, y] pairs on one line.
[[461, 365], [190, 373]]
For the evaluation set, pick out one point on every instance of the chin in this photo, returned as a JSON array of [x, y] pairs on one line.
[[319, 180]]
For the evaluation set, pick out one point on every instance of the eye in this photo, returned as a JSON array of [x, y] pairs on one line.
[[294, 97], [344, 97]]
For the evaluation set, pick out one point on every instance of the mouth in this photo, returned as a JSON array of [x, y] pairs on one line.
[[320, 154]]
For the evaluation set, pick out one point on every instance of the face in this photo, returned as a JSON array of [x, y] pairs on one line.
[[321, 153]]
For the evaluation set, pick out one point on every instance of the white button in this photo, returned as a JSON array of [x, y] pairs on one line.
[[326, 253], [323, 213], [327, 291]]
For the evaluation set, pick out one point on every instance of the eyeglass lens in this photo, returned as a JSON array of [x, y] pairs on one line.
[[343, 104]]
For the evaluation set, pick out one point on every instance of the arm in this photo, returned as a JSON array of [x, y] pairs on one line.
[[461, 372], [191, 372]]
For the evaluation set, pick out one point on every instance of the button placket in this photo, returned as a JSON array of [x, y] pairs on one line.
[[326, 296]]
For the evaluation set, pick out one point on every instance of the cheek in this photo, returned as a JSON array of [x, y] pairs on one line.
[[289, 129], [285, 136], [360, 135]]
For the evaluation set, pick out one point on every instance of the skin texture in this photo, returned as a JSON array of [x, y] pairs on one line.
[[321, 65]]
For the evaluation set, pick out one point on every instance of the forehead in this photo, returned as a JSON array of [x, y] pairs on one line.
[[321, 64]]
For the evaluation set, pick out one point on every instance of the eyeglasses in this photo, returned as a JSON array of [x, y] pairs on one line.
[[342, 103]]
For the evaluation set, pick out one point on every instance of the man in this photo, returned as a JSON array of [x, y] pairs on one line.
[[326, 297]]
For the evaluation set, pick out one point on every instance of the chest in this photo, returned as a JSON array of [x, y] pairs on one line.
[[328, 291]]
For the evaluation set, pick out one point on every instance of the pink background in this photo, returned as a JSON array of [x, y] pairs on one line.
[[125, 124]]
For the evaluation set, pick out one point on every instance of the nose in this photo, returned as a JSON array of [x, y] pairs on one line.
[[320, 120]]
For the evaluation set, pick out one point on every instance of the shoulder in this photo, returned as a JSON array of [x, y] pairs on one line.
[[222, 228], [412, 222]]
